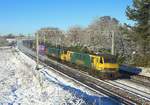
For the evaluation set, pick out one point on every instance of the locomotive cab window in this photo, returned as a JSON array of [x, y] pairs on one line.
[[92, 59], [101, 60], [110, 60]]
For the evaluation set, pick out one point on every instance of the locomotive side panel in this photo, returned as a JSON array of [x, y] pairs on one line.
[[81, 59]]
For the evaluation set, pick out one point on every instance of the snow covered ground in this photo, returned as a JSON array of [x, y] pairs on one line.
[[21, 84], [145, 71]]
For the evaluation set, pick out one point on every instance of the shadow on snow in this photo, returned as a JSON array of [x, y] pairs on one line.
[[89, 99]]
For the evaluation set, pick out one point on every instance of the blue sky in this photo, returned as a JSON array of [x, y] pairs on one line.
[[27, 16]]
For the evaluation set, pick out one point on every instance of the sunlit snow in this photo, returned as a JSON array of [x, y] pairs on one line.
[[21, 84]]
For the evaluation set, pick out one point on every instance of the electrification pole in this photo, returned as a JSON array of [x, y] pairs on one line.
[[44, 38], [37, 51], [113, 43]]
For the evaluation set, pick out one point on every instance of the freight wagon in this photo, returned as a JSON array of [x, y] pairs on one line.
[[125, 69]]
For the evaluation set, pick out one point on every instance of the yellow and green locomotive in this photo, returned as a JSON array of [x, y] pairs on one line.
[[101, 65]]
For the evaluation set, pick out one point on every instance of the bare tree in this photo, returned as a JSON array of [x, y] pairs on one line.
[[51, 35], [75, 35]]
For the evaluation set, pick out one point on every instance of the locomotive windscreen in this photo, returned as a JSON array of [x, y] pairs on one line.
[[109, 58]]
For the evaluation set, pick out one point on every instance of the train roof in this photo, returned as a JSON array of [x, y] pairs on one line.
[[106, 56]]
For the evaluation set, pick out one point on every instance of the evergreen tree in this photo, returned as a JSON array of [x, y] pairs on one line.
[[140, 13]]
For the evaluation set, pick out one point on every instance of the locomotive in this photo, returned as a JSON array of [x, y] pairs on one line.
[[102, 65]]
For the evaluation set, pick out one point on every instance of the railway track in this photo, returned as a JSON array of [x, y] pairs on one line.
[[144, 80], [76, 81], [98, 89], [128, 88], [115, 92]]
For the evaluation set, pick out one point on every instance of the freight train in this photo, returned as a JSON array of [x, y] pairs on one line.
[[103, 66]]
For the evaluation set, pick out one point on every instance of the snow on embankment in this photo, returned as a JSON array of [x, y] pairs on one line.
[[21, 84], [145, 71]]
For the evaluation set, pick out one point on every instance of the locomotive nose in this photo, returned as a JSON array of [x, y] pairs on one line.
[[111, 66]]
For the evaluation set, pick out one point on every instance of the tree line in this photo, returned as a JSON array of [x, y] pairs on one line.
[[132, 43]]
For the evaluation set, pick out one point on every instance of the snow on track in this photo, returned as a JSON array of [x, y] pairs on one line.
[[134, 85], [21, 84]]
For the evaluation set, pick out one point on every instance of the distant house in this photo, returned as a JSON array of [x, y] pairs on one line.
[[11, 40]]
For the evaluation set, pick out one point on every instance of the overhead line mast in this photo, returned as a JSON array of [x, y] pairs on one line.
[[37, 51], [113, 44]]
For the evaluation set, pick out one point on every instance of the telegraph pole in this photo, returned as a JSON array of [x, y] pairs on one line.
[[37, 51], [113, 43]]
